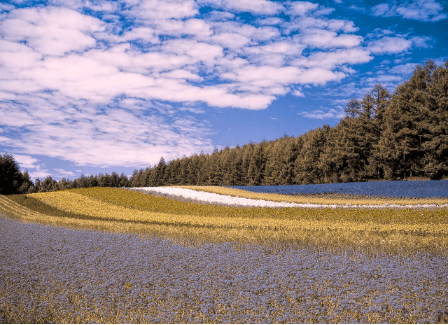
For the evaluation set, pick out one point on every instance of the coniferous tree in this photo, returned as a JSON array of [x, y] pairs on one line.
[[256, 165], [383, 136], [352, 139], [238, 172], [123, 182], [288, 156], [12, 181], [136, 178], [307, 169], [27, 185], [158, 174], [331, 160], [272, 166], [381, 100], [402, 124], [435, 123]]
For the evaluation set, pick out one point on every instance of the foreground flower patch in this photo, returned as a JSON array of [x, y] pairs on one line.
[[115, 255], [56, 275]]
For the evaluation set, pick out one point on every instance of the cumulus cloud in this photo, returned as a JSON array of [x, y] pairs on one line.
[[51, 30], [64, 173], [382, 9], [254, 6], [32, 165], [91, 136], [67, 53], [40, 173], [322, 114], [330, 60], [301, 8], [384, 42], [298, 93], [324, 39], [389, 45], [403, 69], [25, 161], [424, 10], [85, 81]]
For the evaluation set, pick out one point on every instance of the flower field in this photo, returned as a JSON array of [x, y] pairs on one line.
[[183, 255], [325, 200]]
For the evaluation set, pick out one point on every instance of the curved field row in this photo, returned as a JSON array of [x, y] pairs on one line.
[[148, 202], [387, 230], [304, 199], [80, 204]]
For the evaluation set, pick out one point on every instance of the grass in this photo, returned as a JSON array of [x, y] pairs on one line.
[[403, 231], [38, 206]]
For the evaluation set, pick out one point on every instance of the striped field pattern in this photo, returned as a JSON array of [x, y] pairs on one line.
[[384, 229], [108, 255]]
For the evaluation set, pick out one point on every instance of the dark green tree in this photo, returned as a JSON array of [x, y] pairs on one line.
[[400, 145], [158, 175], [12, 181], [256, 167]]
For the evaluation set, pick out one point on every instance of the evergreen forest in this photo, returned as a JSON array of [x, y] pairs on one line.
[[384, 136]]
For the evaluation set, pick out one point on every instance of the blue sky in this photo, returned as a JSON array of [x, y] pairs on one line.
[[89, 87]]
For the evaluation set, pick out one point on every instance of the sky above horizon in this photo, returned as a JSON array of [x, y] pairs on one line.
[[89, 87]]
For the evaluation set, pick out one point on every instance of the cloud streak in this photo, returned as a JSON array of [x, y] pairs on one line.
[[424, 10]]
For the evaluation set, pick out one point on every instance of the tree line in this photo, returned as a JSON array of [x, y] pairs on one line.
[[384, 136]]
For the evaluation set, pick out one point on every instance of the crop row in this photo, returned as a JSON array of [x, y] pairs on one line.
[[215, 198], [388, 230], [155, 203], [81, 204], [328, 199]]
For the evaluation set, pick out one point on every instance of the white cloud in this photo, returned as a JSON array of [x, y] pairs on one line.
[[424, 10], [330, 60], [269, 21], [324, 39], [52, 31], [161, 10], [403, 69], [231, 40], [63, 173], [382, 9], [220, 15], [254, 6], [100, 90], [321, 114], [389, 45], [25, 161], [268, 76], [298, 93], [145, 34], [114, 137], [6, 7], [384, 79], [31, 165], [39, 173], [421, 41], [302, 7], [198, 51]]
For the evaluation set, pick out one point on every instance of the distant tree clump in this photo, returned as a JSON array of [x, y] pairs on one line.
[[12, 181], [383, 136]]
